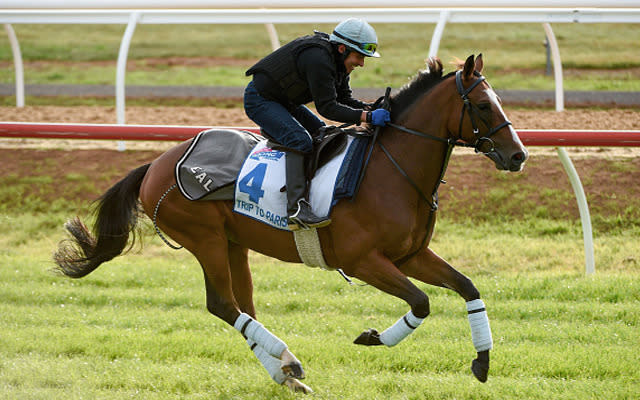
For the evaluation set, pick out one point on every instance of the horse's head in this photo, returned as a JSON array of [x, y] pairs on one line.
[[482, 121]]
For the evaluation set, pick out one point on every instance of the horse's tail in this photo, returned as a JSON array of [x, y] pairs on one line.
[[116, 217]]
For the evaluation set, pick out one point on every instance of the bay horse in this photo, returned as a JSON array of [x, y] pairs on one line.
[[381, 237]]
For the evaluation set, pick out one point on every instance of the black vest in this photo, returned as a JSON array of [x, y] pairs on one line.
[[281, 66]]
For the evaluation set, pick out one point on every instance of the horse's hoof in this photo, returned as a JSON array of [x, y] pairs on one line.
[[291, 366], [370, 337], [480, 369], [297, 386], [293, 370]]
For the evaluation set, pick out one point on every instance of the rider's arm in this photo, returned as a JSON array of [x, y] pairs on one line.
[[315, 66]]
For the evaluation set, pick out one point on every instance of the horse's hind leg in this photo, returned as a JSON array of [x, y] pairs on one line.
[[242, 284], [430, 268], [241, 280]]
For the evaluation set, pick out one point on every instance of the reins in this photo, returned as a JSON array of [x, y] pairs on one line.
[[385, 104]]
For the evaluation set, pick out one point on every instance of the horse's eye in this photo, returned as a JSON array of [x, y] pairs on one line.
[[484, 106]]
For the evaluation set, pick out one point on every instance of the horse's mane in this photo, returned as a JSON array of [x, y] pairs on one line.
[[424, 81]]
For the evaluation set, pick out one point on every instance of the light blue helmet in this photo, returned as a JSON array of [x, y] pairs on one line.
[[358, 35]]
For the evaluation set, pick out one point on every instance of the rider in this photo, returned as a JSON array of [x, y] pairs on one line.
[[310, 68]]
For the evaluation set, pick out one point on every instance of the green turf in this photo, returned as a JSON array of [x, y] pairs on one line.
[[138, 327]]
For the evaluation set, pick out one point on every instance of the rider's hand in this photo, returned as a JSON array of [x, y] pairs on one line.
[[378, 117]]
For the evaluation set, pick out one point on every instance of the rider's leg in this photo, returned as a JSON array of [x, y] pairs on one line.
[[307, 119], [280, 124], [277, 121], [300, 214]]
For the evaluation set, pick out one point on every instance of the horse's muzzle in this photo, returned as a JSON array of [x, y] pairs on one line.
[[513, 162]]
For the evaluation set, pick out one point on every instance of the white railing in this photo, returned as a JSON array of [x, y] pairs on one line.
[[50, 13]]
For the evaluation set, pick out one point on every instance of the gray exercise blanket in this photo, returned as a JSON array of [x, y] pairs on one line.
[[209, 167]]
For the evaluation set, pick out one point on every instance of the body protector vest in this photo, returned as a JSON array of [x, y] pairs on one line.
[[281, 66]]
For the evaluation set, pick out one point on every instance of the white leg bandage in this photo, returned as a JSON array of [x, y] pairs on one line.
[[479, 322], [270, 363], [254, 330], [400, 330]]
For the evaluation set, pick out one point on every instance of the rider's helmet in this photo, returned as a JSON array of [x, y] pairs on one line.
[[358, 35]]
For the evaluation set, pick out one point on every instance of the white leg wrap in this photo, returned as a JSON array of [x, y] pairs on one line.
[[400, 330], [270, 363], [479, 322], [254, 330]]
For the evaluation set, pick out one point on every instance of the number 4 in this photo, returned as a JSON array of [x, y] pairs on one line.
[[251, 184]]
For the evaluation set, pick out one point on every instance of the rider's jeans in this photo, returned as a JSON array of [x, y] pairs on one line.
[[288, 127]]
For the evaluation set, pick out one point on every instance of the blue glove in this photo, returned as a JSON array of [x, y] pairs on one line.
[[379, 117]]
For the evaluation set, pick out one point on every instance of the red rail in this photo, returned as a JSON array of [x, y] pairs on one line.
[[579, 138], [530, 137], [102, 131]]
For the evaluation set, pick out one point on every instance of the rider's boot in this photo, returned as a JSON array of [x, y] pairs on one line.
[[300, 214]]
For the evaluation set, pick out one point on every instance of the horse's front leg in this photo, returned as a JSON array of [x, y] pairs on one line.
[[378, 271], [428, 267]]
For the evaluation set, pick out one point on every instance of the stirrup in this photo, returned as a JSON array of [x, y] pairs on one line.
[[300, 221], [295, 224]]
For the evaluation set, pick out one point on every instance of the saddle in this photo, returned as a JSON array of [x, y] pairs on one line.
[[328, 141]]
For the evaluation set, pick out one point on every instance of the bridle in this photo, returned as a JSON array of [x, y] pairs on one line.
[[474, 113]]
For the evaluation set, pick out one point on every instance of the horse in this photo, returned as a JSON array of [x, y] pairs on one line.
[[380, 237]]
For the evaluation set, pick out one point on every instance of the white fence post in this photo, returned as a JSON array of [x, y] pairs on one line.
[[557, 66], [17, 62], [121, 71], [585, 216], [437, 33], [574, 178], [273, 36]]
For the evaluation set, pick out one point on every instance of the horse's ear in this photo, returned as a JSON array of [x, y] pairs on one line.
[[479, 63], [468, 68]]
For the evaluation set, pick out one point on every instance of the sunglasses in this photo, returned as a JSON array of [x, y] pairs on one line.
[[368, 47]]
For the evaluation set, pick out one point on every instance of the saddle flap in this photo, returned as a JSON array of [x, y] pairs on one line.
[[328, 142]]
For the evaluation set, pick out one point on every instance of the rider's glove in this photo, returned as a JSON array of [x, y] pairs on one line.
[[378, 117]]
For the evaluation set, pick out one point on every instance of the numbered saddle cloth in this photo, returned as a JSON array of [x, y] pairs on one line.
[[260, 192]]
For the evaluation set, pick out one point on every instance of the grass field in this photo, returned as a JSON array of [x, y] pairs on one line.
[[138, 328], [594, 56]]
